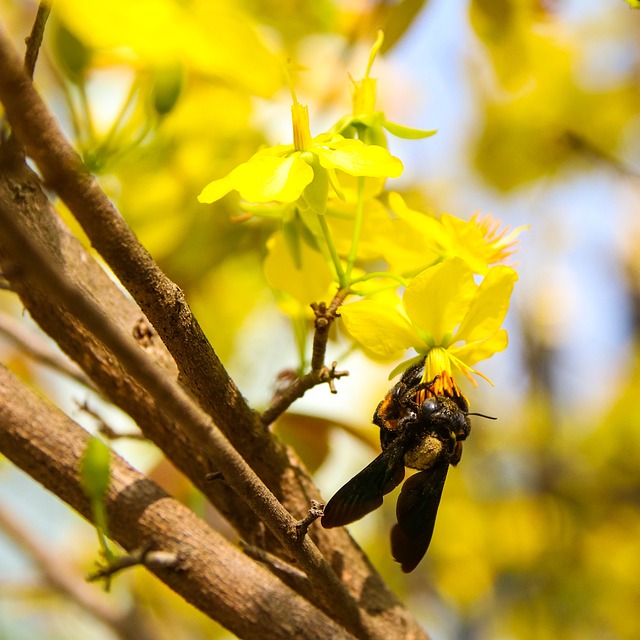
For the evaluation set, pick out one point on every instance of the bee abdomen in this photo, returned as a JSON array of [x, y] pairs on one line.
[[424, 454]]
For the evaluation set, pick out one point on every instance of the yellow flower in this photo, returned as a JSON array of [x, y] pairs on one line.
[[481, 241], [303, 170], [418, 239], [212, 39], [364, 121], [446, 317]]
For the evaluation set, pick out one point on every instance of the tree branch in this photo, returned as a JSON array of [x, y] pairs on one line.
[[161, 300], [20, 191], [34, 39], [33, 265], [319, 372], [214, 576], [164, 305]]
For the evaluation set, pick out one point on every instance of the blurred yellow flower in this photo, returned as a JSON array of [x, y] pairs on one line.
[[482, 241], [309, 280], [418, 239], [216, 39]]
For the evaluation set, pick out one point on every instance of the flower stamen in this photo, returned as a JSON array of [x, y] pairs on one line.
[[500, 242]]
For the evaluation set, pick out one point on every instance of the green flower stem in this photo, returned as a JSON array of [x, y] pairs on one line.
[[109, 137], [100, 519], [357, 229], [299, 323], [86, 108], [335, 258]]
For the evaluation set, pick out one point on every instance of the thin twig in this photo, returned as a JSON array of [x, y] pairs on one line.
[[34, 39], [302, 526], [141, 556], [288, 573], [105, 429], [325, 317], [319, 373], [36, 347]]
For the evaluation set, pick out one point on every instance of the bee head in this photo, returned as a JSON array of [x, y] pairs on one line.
[[443, 412]]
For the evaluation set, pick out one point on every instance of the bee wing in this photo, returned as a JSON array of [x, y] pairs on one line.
[[416, 513], [364, 492]]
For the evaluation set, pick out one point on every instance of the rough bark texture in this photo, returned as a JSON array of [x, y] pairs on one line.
[[212, 574]]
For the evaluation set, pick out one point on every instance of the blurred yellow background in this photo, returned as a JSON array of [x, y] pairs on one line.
[[536, 103]]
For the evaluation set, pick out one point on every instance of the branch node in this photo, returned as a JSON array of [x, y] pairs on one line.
[[141, 556], [330, 375], [301, 527], [143, 332]]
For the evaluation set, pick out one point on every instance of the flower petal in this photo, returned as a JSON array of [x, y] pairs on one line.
[[263, 179], [489, 307], [415, 240], [473, 352], [380, 328], [437, 299], [357, 159], [215, 190], [315, 193]]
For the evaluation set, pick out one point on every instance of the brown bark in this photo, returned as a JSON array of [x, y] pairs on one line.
[[212, 574]]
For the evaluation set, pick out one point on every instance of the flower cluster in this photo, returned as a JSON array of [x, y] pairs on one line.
[[339, 225]]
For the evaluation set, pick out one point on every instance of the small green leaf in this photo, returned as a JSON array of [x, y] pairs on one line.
[[407, 133], [94, 469]]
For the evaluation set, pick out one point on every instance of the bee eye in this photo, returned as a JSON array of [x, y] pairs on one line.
[[429, 406]]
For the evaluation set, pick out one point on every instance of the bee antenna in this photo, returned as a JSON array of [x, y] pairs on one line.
[[482, 415]]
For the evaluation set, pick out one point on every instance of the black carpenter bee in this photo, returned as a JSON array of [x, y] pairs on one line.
[[419, 430]]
